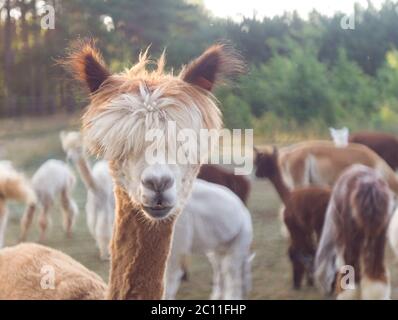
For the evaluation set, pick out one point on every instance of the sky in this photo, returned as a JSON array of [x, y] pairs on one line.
[[236, 8]]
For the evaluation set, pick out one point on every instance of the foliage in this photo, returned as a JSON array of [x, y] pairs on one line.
[[302, 72]]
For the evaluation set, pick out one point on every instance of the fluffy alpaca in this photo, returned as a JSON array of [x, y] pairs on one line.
[[53, 178], [214, 222], [303, 214], [30, 271], [240, 185], [384, 144], [100, 203], [354, 234], [13, 186], [321, 163], [149, 196], [339, 136]]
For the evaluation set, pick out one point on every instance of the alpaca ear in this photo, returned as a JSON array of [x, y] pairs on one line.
[[86, 64], [62, 135], [217, 64]]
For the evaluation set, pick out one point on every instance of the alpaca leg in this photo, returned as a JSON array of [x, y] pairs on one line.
[[373, 289], [103, 245], [185, 261], [174, 274], [284, 230], [232, 269], [3, 222], [69, 210], [215, 261], [103, 237], [375, 280], [298, 268], [350, 258], [43, 221], [26, 221]]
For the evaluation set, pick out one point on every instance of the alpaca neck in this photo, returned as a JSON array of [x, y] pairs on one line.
[[280, 185], [139, 252], [85, 173]]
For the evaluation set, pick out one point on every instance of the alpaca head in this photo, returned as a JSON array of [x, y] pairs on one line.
[[339, 136], [128, 111], [72, 145], [266, 163]]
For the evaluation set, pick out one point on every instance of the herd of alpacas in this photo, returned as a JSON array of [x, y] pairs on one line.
[[338, 198]]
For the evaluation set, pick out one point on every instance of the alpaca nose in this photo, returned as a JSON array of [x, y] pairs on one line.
[[157, 183]]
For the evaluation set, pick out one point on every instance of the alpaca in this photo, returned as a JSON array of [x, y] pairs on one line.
[[339, 136], [303, 215], [240, 185], [149, 195], [100, 203], [321, 163], [214, 222], [13, 186], [384, 144], [30, 271], [393, 232], [53, 178], [354, 235]]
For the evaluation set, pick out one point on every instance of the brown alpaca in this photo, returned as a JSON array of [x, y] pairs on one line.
[[321, 163], [303, 214], [30, 271], [240, 185], [13, 186], [149, 195], [384, 144], [354, 235]]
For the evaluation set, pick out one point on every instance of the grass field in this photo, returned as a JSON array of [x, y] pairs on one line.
[[28, 143]]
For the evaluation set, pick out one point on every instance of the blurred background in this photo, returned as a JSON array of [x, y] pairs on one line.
[[306, 71], [312, 65]]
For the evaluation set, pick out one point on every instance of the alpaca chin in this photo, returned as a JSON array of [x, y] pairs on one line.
[[157, 213], [375, 289]]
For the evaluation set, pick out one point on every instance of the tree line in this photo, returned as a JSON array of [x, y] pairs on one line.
[[301, 71]]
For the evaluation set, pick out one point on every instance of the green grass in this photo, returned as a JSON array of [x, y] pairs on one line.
[[30, 142]]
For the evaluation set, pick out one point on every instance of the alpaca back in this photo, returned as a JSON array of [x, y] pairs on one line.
[[52, 178], [27, 267], [240, 185], [355, 228], [327, 162], [384, 144]]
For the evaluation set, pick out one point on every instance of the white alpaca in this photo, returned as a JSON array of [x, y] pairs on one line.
[[53, 179], [13, 186], [214, 222], [340, 136], [393, 232], [100, 203]]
